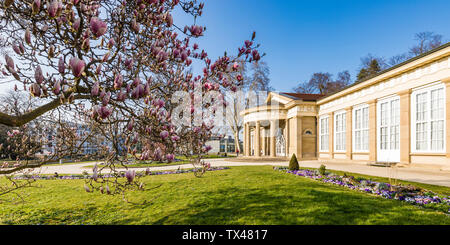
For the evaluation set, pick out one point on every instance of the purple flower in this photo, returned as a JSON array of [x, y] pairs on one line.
[[61, 65], [130, 175], [76, 24], [57, 87], [164, 134], [28, 36], [9, 63], [118, 81], [35, 90], [38, 75], [54, 8], [104, 112], [77, 66], [170, 157], [98, 27], [36, 6], [130, 125]]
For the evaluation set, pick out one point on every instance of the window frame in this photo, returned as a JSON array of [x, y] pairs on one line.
[[327, 129], [343, 132], [362, 129], [428, 120]]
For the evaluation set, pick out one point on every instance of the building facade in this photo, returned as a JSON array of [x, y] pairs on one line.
[[402, 115]]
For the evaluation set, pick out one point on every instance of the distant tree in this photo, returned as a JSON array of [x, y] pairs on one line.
[[259, 79], [370, 66], [397, 59], [323, 83], [426, 41]]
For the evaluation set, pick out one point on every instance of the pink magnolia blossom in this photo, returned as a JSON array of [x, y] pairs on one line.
[[35, 90], [28, 36], [130, 175], [170, 157], [61, 65], [196, 31], [54, 8], [130, 125], [98, 27], [77, 66], [38, 75], [118, 81], [76, 24], [104, 112], [164, 134], [95, 89], [9, 63], [36, 6], [57, 87]]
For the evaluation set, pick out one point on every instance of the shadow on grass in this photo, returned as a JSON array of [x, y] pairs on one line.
[[314, 205]]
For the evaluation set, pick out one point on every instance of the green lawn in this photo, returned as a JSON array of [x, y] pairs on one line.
[[241, 195]]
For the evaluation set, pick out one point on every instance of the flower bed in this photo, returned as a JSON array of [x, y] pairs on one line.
[[410, 194], [122, 174]]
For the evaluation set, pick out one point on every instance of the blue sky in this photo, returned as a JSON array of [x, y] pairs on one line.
[[303, 37]]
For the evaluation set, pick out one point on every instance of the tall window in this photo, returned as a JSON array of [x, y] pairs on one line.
[[324, 133], [428, 119], [339, 131], [361, 129]]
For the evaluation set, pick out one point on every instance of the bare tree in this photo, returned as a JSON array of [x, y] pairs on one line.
[[426, 41], [323, 83]]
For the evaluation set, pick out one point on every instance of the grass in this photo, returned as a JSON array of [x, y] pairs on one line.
[[238, 196]]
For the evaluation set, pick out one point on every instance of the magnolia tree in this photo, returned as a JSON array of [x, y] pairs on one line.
[[122, 66]]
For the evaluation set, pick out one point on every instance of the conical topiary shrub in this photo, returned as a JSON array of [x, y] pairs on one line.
[[293, 163]]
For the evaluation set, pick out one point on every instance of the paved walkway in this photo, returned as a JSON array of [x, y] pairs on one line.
[[434, 177]]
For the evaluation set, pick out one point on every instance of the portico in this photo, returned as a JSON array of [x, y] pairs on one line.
[[270, 130]]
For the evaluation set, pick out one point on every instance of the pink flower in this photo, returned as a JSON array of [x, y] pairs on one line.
[[135, 26], [57, 87], [77, 66], [38, 75], [106, 98], [130, 125], [175, 138], [121, 96], [36, 6], [16, 49], [196, 30], [118, 81], [76, 24], [111, 43], [256, 55], [104, 112], [61, 65], [98, 27], [95, 89], [164, 134], [170, 157], [28, 36], [35, 90], [138, 92], [130, 175], [54, 8], [9, 63]]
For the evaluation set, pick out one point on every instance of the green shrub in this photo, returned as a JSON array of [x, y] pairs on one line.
[[322, 169], [293, 163]]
